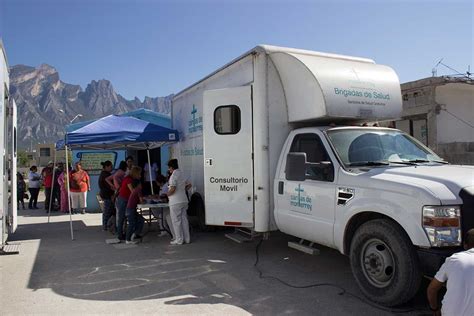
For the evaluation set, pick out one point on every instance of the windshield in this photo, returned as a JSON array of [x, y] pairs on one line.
[[378, 146]]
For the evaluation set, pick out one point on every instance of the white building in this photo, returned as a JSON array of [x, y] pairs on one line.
[[439, 111]]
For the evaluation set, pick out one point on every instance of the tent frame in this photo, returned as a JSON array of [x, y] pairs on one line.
[[102, 147], [140, 144]]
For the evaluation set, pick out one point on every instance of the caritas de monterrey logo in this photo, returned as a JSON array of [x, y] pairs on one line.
[[300, 199], [195, 124]]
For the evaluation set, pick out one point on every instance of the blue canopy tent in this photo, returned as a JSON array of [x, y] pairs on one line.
[[141, 114], [115, 131], [59, 145], [118, 132]]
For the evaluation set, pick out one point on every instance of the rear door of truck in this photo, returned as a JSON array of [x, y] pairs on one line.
[[228, 157]]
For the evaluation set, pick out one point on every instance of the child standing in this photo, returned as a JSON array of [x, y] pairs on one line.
[[20, 189], [135, 220]]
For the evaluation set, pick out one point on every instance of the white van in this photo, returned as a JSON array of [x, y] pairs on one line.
[[259, 143], [8, 198]]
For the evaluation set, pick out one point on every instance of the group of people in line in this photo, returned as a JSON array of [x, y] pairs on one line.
[[122, 191], [55, 184]]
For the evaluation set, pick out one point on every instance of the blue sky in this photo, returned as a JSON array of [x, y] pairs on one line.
[[155, 48]]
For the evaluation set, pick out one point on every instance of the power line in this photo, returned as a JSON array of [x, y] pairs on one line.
[[453, 115]]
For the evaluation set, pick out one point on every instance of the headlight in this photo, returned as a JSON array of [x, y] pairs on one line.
[[442, 225]]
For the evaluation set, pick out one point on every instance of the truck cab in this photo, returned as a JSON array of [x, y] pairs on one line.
[[377, 195]]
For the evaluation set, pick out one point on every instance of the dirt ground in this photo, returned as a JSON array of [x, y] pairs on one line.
[[211, 276]]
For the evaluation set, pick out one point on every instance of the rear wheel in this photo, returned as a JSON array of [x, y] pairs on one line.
[[384, 263]]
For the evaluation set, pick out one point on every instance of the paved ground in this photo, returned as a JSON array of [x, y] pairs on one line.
[[211, 276]]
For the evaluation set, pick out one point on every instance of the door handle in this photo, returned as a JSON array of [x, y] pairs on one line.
[[281, 185]]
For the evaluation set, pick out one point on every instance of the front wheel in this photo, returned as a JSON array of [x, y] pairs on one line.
[[384, 263]]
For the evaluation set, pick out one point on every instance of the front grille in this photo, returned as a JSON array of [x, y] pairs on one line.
[[467, 209]]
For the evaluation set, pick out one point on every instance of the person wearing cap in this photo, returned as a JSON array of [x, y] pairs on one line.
[[47, 176], [79, 183]]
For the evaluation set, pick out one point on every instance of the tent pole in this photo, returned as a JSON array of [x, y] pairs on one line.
[[149, 170], [52, 185], [69, 192]]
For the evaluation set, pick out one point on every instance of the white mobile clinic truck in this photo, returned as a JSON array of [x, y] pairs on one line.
[[260, 146], [8, 198]]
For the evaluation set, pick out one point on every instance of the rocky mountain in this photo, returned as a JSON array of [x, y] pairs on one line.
[[46, 104]]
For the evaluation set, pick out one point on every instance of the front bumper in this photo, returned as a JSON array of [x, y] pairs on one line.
[[431, 259]]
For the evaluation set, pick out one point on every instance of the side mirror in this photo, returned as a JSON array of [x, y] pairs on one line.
[[295, 167]]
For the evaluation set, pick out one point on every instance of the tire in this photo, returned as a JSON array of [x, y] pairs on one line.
[[384, 263]]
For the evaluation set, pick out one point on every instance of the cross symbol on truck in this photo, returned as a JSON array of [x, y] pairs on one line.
[[355, 73], [193, 112], [299, 190]]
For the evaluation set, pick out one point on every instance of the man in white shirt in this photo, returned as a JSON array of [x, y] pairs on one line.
[[458, 273], [178, 203]]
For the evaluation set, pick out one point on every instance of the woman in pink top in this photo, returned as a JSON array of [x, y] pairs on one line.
[[115, 180], [63, 184]]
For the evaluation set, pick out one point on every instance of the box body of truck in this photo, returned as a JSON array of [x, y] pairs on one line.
[[8, 197], [234, 122]]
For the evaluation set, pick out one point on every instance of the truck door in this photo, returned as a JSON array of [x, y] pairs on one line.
[[306, 208], [228, 152]]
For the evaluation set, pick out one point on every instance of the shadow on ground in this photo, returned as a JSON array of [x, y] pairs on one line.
[[210, 270]]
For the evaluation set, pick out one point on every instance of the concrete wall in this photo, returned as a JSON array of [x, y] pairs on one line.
[[42, 160], [440, 112], [455, 122], [456, 116], [419, 104], [461, 153]]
